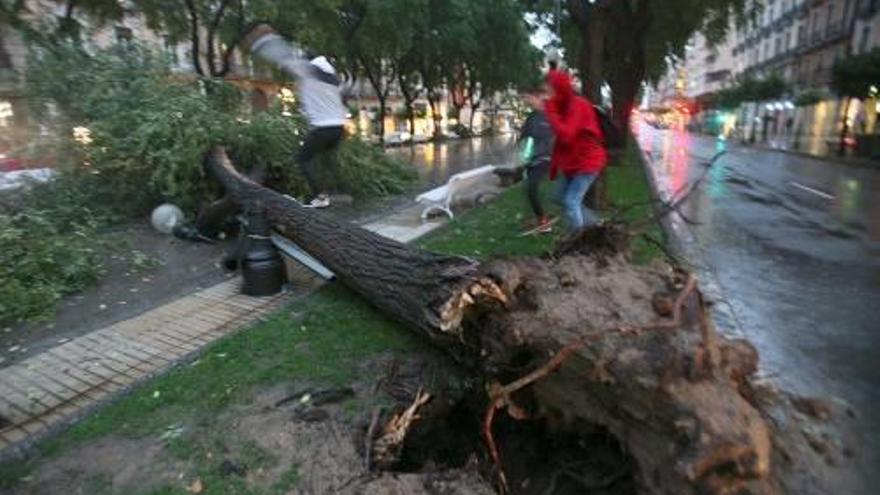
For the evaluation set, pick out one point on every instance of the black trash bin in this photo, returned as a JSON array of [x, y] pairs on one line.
[[261, 265]]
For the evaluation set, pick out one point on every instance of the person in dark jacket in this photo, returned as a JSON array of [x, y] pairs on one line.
[[320, 97], [579, 153], [536, 138]]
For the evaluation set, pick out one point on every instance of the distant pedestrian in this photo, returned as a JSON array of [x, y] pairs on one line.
[[536, 140], [579, 150], [320, 96]]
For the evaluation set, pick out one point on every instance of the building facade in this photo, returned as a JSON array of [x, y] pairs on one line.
[[798, 41]]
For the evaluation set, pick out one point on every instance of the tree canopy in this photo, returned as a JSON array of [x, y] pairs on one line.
[[625, 43], [855, 75], [748, 90]]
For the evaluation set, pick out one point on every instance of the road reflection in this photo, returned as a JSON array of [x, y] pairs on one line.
[[793, 244], [436, 162]]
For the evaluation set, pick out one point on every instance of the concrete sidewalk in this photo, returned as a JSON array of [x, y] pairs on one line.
[[50, 390]]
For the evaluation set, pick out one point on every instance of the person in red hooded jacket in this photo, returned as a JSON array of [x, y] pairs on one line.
[[579, 153]]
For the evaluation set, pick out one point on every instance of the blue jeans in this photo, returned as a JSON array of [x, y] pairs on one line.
[[570, 195]]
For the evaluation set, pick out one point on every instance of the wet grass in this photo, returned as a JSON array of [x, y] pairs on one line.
[[318, 340], [493, 229]]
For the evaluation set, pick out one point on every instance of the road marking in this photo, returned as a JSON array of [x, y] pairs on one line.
[[812, 190]]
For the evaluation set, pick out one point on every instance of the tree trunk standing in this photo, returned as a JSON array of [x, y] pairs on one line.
[[409, 97], [411, 118], [581, 341], [436, 116], [376, 75], [593, 55], [625, 88], [628, 73], [382, 111], [844, 128], [458, 107], [592, 21], [194, 37], [474, 108]]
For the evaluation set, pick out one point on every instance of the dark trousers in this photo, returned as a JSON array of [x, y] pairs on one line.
[[536, 172], [318, 140]]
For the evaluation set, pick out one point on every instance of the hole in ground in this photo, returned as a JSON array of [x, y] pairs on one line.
[[582, 459]]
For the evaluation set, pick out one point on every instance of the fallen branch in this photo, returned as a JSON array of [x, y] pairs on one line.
[[368, 441], [387, 449], [674, 205]]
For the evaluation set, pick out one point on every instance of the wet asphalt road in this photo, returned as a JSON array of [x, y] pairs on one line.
[[436, 162], [794, 244]]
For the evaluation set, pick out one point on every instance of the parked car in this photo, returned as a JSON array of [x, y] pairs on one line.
[[24, 158]]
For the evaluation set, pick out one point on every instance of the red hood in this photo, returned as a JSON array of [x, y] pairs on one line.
[[560, 83]]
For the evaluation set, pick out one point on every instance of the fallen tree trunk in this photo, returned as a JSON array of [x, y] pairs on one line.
[[580, 339]]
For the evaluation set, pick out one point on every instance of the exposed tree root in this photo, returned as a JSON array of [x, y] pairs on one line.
[[677, 396], [387, 449]]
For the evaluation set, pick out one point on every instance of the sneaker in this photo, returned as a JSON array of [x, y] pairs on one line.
[[319, 201], [543, 225]]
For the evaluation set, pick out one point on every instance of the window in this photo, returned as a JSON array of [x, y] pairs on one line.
[[866, 35], [778, 46], [830, 19], [6, 113]]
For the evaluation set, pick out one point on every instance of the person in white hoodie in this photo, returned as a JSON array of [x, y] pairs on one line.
[[320, 97]]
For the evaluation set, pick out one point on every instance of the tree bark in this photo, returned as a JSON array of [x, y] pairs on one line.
[[474, 107], [434, 102], [194, 36], [844, 128], [420, 289], [581, 340], [409, 97], [376, 75], [211, 37]]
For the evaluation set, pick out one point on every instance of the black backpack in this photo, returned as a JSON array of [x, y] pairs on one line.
[[613, 135]]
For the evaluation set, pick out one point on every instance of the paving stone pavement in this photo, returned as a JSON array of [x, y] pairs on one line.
[[56, 387]]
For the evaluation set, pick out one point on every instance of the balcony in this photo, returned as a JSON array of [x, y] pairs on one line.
[[834, 30], [802, 10], [867, 8]]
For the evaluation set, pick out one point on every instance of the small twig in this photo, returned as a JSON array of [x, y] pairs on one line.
[[672, 257], [675, 204], [371, 432]]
